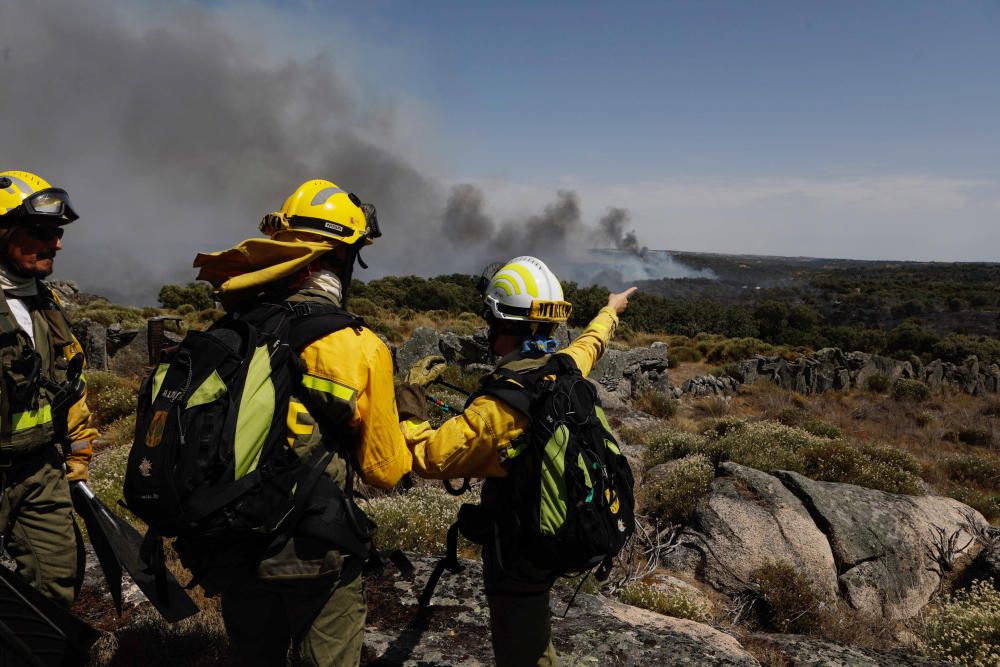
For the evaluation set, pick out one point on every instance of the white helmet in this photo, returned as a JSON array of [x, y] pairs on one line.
[[525, 290]]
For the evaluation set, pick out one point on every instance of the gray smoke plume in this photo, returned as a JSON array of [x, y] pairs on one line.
[[177, 138], [173, 135]]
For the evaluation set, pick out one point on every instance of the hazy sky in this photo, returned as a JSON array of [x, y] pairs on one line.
[[847, 129]]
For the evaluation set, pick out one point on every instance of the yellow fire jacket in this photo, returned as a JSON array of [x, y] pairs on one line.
[[348, 375], [81, 433], [476, 442]]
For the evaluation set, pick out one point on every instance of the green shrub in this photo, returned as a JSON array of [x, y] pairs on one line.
[[417, 520], [977, 437], [676, 602], [630, 435], [808, 422], [109, 396], [983, 470], [770, 445], [910, 390], [674, 496], [681, 355], [790, 603], [716, 428], [102, 312], [667, 445], [656, 403], [874, 468], [877, 383], [986, 504], [107, 472], [197, 295], [737, 349], [965, 630]]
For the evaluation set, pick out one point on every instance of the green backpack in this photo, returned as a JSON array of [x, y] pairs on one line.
[[211, 464], [566, 505]]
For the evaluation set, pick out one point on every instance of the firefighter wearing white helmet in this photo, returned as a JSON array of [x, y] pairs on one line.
[[310, 594], [46, 437], [524, 305]]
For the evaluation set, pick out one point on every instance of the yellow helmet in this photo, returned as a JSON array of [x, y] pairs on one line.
[[525, 290], [25, 196], [322, 208]]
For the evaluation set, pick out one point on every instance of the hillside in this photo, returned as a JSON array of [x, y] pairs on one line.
[[783, 515]]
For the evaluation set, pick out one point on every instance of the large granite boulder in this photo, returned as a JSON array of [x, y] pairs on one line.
[[803, 651], [749, 519], [891, 551]]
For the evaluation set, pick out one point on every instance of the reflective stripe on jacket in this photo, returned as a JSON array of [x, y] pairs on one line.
[[27, 422], [475, 443], [348, 376]]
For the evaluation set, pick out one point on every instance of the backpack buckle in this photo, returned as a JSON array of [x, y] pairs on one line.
[[299, 309]]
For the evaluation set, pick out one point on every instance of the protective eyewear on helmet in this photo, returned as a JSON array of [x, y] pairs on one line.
[[44, 233], [50, 203]]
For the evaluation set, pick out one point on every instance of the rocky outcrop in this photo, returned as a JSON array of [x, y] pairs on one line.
[[622, 375], [892, 551], [748, 519], [709, 385], [884, 554], [831, 369]]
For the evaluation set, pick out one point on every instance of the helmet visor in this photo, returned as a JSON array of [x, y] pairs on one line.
[[52, 202]]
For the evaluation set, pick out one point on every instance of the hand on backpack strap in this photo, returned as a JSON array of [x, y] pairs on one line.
[[426, 370], [411, 402]]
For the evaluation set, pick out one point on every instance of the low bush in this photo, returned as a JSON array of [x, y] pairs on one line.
[[808, 422], [987, 504], [965, 630], [102, 312], [674, 494], [675, 602], [885, 469], [682, 355], [981, 470], [877, 383], [110, 397], [670, 444], [738, 349], [977, 437], [417, 520], [656, 403], [790, 603], [107, 472], [914, 391]]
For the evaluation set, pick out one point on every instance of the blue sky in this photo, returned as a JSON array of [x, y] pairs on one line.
[[704, 88]]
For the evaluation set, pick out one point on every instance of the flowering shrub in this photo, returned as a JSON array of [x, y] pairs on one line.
[[674, 495], [109, 396], [770, 445], [675, 602], [417, 520], [668, 445], [965, 630]]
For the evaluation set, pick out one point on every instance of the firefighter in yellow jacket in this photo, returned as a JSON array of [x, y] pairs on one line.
[[45, 439], [524, 305], [310, 594]]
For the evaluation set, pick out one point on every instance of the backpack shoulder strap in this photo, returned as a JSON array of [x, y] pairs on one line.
[[518, 390], [312, 321]]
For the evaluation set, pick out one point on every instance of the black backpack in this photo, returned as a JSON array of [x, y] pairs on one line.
[[566, 504], [211, 464]]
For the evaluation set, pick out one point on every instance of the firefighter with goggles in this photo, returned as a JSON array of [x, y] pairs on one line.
[[45, 427], [524, 306]]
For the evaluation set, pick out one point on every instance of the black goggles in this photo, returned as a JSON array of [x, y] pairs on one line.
[[48, 203], [44, 232]]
